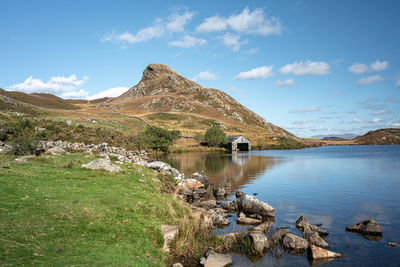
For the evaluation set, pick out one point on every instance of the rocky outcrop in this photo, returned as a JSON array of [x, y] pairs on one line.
[[366, 227], [102, 164], [213, 259], [251, 205]]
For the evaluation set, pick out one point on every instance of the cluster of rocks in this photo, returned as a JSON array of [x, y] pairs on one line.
[[5, 147], [123, 155]]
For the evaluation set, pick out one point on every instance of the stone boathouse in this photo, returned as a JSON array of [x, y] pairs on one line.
[[238, 143]]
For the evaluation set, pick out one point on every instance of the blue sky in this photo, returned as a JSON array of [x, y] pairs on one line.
[[312, 67]]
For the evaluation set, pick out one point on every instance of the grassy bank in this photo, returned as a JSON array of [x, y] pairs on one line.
[[54, 213]]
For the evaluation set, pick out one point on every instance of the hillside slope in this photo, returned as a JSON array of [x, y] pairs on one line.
[[40, 100], [387, 136], [166, 93]]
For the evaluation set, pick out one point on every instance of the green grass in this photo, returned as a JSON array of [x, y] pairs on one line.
[[54, 215]]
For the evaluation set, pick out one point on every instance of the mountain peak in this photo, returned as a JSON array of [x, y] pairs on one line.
[[153, 70]]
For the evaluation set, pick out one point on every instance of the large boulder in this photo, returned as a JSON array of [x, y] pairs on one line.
[[366, 227], [258, 241], [102, 164], [214, 259], [294, 243], [317, 253], [251, 205]]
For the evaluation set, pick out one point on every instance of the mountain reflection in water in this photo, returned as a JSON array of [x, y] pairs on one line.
[[231, 171]]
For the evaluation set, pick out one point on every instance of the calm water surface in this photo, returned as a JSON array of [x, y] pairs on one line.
[[334, 186]]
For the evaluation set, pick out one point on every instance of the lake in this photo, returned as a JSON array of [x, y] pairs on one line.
[[335, 186]]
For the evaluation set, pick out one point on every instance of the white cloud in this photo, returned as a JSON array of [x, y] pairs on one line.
[[232, 40], [376, 120], [58, 85], [247, 22], [111, 92], [369, 80], [377, 66], [75, 94], [306, 68], [176, 22], [205, 75], [260, 72], [212, 24], [357, 120], [187, 42], [358, 68], [288, 82], [310, 109], [394, 124], [381, 112]]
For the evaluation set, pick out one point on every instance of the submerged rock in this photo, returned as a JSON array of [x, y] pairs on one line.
[[251, 205], [214, 259], [366, 227], [102, 164], [317, 253]]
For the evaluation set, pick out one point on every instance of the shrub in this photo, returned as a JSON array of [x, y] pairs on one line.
[[214, 136], [157, 138]]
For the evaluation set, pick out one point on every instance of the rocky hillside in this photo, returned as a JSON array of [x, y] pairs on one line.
[[162, 90], [387, 136], [40, 100]]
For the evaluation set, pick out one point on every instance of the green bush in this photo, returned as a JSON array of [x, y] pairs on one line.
[[214, 136], [156, 138]]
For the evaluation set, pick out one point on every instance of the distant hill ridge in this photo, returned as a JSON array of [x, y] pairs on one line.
[[386, 136], [163, 90]]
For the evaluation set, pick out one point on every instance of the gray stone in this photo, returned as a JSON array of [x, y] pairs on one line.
[[208, 204], [367, 227], [214, 259], [159, 166], [219, 192], [201, 178], [262, 227], [295, 243], [259, 242], [242, 219], [178, 264], [251, 205], [229, 206], [301, 222], [239, 194], [220, 221], [102, 164], [316, 240], [277, 237]]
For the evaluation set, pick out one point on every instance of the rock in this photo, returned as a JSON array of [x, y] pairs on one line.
[[230, 238], [295, 243], [56, 150], [316, 240], [214, 259], [317, 253], [202, 218], [220, 221], [158, 166], [178, 264], [321, 232], [277, 237], [259, 242], [201, 178], [301, 222], [219, 192], [192, 190], [242, 219], [168, 233], [251, 205], [21, 160], [102, 164], [392, 244], [209, 204], [262, 227], [367, 227], [69, 122], [239, 194], [229, 206]]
